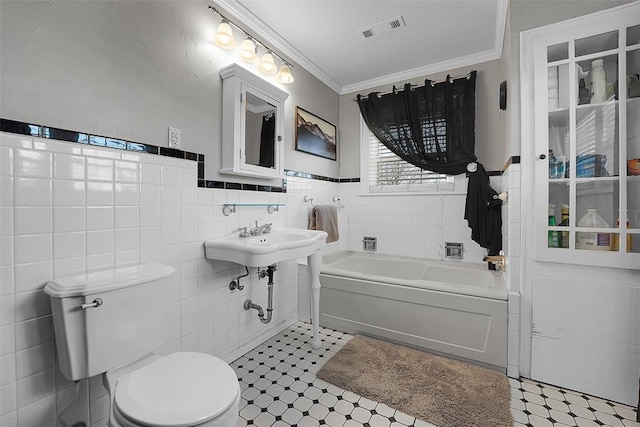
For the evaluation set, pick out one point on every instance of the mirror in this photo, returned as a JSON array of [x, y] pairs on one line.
[[260, 132], [252, 125]]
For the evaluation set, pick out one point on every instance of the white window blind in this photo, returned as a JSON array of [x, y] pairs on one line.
[[389, 173]]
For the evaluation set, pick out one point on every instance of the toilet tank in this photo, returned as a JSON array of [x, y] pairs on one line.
[[124, 317]]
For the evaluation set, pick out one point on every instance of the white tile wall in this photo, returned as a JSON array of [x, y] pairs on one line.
[[416, 225], [67, 209], [511, 244]]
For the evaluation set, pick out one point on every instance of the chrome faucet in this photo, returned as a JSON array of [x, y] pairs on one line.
[[262, 229]]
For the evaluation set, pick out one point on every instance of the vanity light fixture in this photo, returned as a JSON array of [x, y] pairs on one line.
[[267, 64], [224, 36], [284, 74], [248, 51]]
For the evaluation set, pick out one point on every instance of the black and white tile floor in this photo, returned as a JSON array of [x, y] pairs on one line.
[[280, 388]]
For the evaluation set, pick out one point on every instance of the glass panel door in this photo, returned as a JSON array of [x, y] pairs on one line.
[[631, 221]]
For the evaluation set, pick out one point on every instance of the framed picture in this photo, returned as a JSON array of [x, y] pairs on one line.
[[314, 135]]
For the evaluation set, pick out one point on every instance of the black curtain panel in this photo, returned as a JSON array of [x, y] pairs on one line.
[[431, 126]]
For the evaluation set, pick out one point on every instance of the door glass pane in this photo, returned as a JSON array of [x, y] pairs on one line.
[[599, 194], [600, 76], [633, 141], [560, 211], [558, 86], [633, 35], [558, 52], [558, 144], [597, 43], [596, 206]]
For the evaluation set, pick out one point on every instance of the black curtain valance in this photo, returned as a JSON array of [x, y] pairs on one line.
[[431, 126]]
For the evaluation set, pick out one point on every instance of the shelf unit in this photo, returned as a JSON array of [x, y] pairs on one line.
[[583, 142]]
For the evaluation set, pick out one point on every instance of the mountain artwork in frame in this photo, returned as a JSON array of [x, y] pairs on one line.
[[315, 135]]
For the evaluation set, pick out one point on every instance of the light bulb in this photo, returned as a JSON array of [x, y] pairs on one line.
[[284, 74], [248, 51], [224, 36], [267, 65]]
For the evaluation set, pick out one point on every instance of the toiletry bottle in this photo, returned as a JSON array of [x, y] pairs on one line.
[[615, 237], [598, 82], [564, 222], [553, 164], [597, 241], [554, 236]]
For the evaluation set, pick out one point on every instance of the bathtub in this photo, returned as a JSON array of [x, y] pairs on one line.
[[452, 308]]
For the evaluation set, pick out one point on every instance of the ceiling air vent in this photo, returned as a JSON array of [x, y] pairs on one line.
[[383, 27]]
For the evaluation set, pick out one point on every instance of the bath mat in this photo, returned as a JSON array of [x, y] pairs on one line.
[[441, 391]]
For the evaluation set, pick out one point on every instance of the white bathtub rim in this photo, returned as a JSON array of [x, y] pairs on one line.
[[497, 291]]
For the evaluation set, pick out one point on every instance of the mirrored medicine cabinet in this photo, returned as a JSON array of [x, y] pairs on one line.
[[252, 124]]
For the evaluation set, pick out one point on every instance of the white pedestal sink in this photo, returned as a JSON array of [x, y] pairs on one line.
[[281, 244]]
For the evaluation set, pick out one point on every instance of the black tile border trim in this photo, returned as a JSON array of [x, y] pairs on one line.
[[298, 174], [513, 160], [24, 128], [224, 185]]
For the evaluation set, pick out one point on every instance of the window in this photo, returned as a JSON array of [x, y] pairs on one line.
[[384, 172]]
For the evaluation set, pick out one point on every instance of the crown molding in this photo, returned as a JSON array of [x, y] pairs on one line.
[[272, 39]]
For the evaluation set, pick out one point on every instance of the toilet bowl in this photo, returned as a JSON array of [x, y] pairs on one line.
[[111, 323], [179, 390]]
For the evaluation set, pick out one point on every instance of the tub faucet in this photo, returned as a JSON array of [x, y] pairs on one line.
[[263, 229], [500, 261]]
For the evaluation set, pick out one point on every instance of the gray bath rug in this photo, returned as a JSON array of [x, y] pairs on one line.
[[441, 391]]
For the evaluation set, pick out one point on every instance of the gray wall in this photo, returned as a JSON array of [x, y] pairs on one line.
[[130, 69]]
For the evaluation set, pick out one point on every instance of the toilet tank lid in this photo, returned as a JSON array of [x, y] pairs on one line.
[[106, 280]]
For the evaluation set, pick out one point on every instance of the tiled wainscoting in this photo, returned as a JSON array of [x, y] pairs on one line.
[[68, 208], [512, 247], [408, 225]]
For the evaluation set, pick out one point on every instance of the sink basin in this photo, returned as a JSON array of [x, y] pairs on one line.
[[282, 244]]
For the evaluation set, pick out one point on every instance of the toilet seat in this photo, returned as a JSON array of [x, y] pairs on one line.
[[179, 390]]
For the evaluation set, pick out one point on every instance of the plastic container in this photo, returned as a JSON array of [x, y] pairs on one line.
[[598, 82], [615, 238], [554, 236], [564, 222], [593, 241]]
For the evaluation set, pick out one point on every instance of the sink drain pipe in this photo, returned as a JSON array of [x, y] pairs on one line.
[[249, 305]]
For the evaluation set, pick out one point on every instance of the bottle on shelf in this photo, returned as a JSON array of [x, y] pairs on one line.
[[554, 236], [615, 237], [564, 222], [593, 240], [598, 82]]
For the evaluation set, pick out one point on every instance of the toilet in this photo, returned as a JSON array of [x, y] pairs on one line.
[[114, 323]]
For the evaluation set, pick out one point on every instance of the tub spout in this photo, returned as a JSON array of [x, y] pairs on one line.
[[500, 261]]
